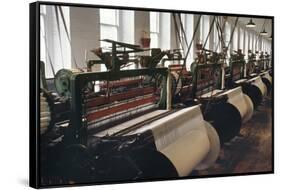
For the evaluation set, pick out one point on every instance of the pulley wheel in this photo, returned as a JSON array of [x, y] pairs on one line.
[[62, 81]]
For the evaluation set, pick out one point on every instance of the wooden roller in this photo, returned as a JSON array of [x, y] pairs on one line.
[[256, 81], [237, 98]]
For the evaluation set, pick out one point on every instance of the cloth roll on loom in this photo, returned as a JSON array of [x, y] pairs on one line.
[[185, 139], [45, 115], [238, 99], [267, 76], [242, 102], [256, 81], [254, 88], [267, 80]]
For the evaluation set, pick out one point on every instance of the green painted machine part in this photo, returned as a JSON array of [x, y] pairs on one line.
[[237, 65], [62, 81], [77, 82], [205, 76]]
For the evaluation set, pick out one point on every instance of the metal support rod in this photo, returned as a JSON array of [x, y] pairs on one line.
[[68, 36], [189, 47], [259, 36], [220, 34], [177, 30], [182, 29], [232, 32], [169, 91], [210, 30], [59, 32], [193, 37]]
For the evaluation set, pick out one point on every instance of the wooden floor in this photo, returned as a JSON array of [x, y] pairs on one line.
[[250, 152]]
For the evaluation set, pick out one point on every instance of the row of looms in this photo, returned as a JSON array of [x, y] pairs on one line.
[[152, 122]]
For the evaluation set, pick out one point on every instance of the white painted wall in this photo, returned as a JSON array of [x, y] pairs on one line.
[[141, 24], [165, 28], [174, 40], [126, 33], [55, 40], [85, 33]]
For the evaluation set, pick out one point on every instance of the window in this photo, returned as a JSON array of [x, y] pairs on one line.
[[165, 31], [116, 25], [154, 29], [126, 29], [204, 30], [54, 45], [183, 44], [263, 45], [258, 43], [241, 40], [216, 44], [188, 21], [109, 17], [254, 43], [235, 39], [246, 44], [251, 41], [109, 22], [43, 49], [187, 24], [227, 34], [268, 46]]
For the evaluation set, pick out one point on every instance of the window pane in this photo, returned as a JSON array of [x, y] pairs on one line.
[[204, 30], [227, 32], [251, 41], [154, 40], [165, 31], [235, 39], [241, 39], [108, 32], [187, 22], [189, 33], [126, 28], [54, 47], [183, 20], [109, 16], [246, 44], [42, 40], [254, 42], [258, 43], [227, 38], [217, 42], [154, 22]]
